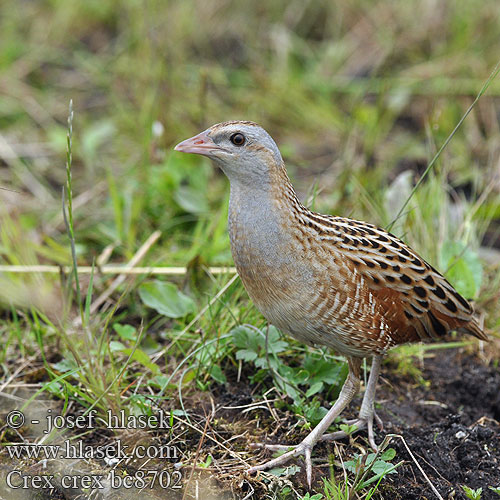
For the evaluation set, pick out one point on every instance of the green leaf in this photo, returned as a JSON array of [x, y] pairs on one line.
[[267, 362], [245, 337], [275, 345], [53, 387], [116, 346], [350, 465], [138, 355], [253, 341], [188, 376], [289, 390], [381, 467], [207, 462], [471, 493], [141, 357], [166, 299], [126, 332], [322, 370], [388, 454], [159, 381], [285, 471], [65, 365], [316, 496], [246, 355], [179, 413], [314, 389], [217, 375], [312, 411], [348, 429], [462, 268]]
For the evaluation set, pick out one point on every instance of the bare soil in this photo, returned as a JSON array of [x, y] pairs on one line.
[[452, 428], [450, 423]]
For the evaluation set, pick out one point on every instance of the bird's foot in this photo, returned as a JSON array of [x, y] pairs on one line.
[[353, 421], [360, 423], [304, 449], [306, 446]]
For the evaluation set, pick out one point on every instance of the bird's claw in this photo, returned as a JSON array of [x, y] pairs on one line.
[[379, 421], [304, 448], [360, 423]]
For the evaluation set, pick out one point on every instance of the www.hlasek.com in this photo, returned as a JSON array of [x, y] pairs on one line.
[[111, 453]]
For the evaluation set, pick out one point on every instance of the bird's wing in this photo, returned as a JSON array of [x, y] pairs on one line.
[[402, 294]]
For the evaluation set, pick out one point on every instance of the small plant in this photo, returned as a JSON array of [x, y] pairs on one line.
[[496, 490], [208, 461], [336, 490], [94, 361], [316, 496], [371, 467], [288, 471], [348, 429], [472, 494], [251, 343], [299, 383], [369, 470]]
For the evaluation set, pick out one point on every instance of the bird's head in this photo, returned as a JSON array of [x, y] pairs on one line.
[[243, 150]]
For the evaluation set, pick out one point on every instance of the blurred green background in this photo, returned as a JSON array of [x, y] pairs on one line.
[[359, 96], [353, 92]]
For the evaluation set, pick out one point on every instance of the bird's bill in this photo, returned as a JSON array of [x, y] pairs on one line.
[[200, 144]]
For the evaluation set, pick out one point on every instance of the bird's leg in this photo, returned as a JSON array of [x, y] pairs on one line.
[[367, 412], [349, 390]]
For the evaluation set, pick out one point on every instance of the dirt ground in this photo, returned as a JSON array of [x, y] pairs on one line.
[[452, 428], [450, 424]]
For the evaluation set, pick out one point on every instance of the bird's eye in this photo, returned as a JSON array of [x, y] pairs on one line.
[[237, 139]]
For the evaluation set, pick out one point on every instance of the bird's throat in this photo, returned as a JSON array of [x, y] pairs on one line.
[[259, 224]]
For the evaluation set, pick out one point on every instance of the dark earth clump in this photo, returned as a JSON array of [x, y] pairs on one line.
[[451, 427], [449, 421]]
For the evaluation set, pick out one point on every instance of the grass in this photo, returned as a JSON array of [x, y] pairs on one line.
[[359, 97]]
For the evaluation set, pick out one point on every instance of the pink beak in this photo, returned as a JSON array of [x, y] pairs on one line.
[[199, 144]]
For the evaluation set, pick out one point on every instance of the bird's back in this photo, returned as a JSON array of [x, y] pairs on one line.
[[396, 295]]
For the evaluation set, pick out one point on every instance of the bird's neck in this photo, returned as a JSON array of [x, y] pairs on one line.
[[263, 204], [263, 224], [260, 218]]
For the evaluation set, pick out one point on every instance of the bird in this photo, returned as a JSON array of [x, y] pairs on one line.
[[325, 280]]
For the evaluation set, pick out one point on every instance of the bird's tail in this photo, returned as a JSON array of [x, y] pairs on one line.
[[473, 328]]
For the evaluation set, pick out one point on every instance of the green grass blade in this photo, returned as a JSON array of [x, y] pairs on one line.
[[485, 86]]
